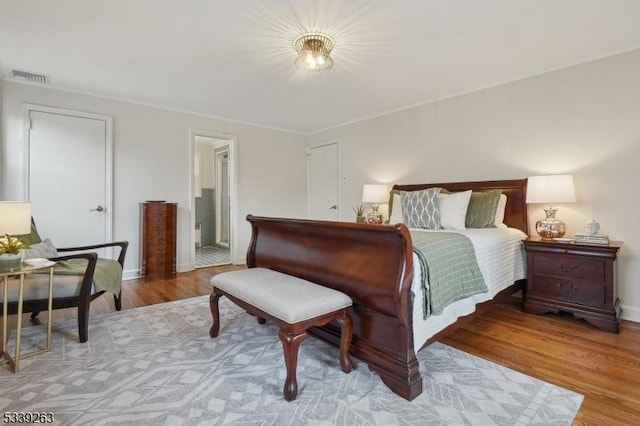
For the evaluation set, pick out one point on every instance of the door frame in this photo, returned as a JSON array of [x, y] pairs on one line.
[[337, 143], [26, 109], [233, 194]]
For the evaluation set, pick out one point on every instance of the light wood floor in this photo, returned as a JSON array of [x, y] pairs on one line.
[[558, 349]]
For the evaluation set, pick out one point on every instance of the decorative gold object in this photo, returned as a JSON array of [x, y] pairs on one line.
[[375, 216], [550, 227], [375, 194]]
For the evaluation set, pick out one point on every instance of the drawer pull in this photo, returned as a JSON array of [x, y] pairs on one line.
[[567, 268], [560, 284]]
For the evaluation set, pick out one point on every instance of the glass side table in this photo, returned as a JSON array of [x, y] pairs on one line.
[[24, 270]]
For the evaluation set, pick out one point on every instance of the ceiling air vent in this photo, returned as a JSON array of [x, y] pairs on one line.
[[29, 76]]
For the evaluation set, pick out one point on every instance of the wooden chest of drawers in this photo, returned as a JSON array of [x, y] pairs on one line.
[[157, 239], [575, 278]]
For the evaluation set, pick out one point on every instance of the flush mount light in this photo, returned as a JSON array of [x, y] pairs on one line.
[[313, 52]]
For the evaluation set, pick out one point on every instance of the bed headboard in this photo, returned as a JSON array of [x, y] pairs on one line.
[[515, 214]]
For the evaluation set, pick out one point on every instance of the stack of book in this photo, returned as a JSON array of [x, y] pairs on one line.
[[591, 238]]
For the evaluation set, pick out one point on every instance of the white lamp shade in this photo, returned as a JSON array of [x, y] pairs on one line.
[[375, 193], [550, 189], [15, 217]]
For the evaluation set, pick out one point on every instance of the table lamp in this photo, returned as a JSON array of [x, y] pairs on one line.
[[375, 194], [15, 217], [548, 190]]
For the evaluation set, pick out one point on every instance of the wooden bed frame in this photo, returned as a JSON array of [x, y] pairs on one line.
[[373, 264]]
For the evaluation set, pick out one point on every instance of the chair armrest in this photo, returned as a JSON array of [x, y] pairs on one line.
[[122, 244], [91, 256]]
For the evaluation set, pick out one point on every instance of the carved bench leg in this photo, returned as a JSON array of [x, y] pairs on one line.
[[345, 341], [290, 345], [215, 314]]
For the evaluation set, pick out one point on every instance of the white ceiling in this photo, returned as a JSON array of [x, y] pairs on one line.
[[234, 59]]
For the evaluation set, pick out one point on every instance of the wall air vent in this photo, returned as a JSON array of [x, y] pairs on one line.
[[29, 76]]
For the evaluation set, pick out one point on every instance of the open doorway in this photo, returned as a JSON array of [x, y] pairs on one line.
[[212, 201]]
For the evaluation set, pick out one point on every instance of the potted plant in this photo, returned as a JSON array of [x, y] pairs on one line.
[[359, 211], [10, 253]]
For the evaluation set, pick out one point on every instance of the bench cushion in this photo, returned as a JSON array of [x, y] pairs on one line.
[[283, 296]]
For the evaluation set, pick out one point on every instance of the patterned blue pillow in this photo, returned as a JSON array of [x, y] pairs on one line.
[[420, 208]]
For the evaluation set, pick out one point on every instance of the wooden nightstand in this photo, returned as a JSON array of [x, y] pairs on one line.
[[573, 277]]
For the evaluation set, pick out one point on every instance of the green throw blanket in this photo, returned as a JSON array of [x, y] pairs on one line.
[[107, 276], [449, 269]]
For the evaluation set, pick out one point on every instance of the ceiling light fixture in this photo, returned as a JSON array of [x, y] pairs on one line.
[[313, 52]]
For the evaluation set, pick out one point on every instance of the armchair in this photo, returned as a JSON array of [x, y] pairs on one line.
[[78, 279]]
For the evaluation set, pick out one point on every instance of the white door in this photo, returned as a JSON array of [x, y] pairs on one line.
[[323, 182], [69, 168]]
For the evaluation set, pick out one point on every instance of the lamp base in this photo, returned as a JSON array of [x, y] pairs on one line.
[[375, 216], [550, 227]]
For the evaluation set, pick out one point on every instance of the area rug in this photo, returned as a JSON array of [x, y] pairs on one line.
[[157, 365]]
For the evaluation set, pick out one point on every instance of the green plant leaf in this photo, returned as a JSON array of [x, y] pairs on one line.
[[11, 245]]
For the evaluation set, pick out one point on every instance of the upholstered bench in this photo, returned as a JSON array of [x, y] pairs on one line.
[[292, 303]]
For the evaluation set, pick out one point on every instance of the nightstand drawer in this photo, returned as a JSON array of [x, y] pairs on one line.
[[569, 266], [575, 290]]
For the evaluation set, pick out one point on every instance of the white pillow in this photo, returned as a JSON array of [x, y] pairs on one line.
[[453, 209], [502, 205], [396, 209]]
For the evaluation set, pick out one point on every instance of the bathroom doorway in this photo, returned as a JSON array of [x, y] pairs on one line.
[[212, 200]]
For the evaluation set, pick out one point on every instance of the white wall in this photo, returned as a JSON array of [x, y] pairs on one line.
[[583, 120], [152, 160]]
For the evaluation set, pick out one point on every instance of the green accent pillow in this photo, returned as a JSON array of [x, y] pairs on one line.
[[481, 212], [32, 238]]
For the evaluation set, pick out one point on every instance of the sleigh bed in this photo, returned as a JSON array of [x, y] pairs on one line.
[[375, 266]]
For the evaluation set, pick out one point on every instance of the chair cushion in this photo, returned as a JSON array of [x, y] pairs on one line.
[[65, 284], [282, 296], [36, 287]]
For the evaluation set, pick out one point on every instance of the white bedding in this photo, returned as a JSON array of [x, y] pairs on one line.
[[502, 262]]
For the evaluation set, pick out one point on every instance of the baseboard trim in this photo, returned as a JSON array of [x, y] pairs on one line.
[[630, 313], [131, 274]]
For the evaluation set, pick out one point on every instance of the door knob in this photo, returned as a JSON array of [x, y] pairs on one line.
[[98, 209], [333, 207]]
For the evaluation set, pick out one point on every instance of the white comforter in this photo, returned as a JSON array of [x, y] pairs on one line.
[[502, 262]]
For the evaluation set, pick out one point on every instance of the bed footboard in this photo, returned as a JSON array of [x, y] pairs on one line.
[[373, 264]]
